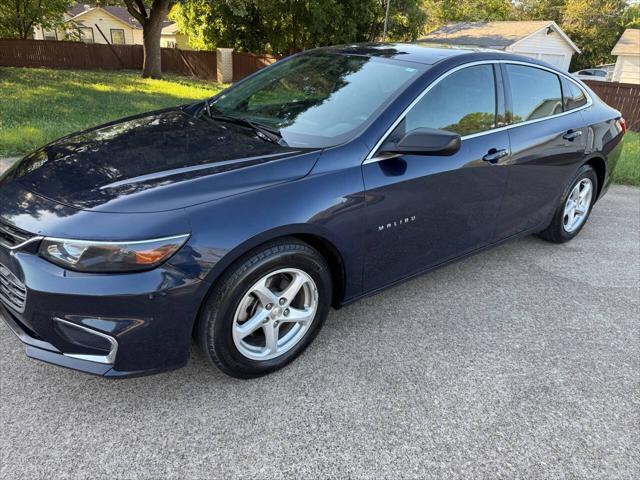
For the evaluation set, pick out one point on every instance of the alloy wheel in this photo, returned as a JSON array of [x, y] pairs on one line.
[[577, 206], [274, 314]]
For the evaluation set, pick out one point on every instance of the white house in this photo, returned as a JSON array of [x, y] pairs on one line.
[[543, 40], [113, 25], [627, 69]]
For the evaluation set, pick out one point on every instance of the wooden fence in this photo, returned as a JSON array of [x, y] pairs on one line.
[[62, 54], [624, 97], [244, 64]]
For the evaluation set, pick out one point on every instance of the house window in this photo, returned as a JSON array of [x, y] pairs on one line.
[[117, 36], [50, 34], [86, 35]]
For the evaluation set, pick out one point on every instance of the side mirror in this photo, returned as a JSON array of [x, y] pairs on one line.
[[426, 141]]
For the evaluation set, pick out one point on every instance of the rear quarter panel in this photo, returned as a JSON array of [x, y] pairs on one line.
[[605, 137]]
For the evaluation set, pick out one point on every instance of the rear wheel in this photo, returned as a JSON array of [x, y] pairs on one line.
[[574, 207], [266, 309]]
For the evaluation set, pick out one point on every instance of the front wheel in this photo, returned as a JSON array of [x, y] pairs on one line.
[[574, 207], [266, 309]]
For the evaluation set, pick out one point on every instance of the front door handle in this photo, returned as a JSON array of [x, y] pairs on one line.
[[494, 155], [571, 135]]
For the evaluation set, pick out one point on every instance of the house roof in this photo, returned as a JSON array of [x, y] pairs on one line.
[[629, 43], [498, 35], [170, 29], [120, 13]]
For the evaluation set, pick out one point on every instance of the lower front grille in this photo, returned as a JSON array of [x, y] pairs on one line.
[[13, 293]]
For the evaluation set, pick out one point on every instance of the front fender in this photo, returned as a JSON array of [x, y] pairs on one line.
[[327, 205]]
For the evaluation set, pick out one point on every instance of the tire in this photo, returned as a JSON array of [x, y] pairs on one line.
[[561, 229], [239, 301]]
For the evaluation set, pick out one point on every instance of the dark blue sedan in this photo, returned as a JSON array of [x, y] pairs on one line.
[[326, 177]]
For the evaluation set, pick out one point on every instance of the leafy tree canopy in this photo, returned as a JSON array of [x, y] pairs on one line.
[[595, 26], [444, 11], [284, 26], [631, 16], [19, 17]]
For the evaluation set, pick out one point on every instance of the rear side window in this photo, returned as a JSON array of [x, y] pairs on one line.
[[463, 102], [535, 93], [573, 96]]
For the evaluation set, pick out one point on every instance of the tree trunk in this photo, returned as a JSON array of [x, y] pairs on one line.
[[151, 32], [152, 65]]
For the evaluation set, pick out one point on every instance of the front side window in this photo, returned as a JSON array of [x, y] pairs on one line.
[[117, 36], [463, 102], [86, 34], [535, 93], [573, 96], [318, 100]]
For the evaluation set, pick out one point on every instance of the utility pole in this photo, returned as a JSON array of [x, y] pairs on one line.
[[386, 22]]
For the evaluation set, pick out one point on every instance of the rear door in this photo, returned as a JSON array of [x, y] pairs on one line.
[[547, 144]]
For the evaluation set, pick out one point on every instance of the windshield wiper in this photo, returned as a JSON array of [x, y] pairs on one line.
[[270, 134]]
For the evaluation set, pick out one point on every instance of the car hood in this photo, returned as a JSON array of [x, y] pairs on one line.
[[157, 161]]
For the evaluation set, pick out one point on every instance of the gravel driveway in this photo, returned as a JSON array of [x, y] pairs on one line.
[[521, 362]]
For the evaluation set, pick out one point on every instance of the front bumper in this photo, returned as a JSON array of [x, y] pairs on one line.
[[109, 325]]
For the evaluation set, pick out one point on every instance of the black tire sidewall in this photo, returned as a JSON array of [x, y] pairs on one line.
[[217, 321]]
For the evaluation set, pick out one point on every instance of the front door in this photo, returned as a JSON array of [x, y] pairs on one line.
[[424, 210]]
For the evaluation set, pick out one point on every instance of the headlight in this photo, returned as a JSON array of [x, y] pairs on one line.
[[110, 257]]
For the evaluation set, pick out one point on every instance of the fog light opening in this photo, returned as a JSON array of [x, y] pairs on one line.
[[89, 339]]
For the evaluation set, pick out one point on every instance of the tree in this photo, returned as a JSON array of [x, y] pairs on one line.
[[445, 11], [281, 27], [151, 20], [541, 10], [19, 17], [631, 16], [595, 26], [407, 19]]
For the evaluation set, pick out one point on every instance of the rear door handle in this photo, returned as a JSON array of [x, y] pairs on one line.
[[571, 135], [494, 155]]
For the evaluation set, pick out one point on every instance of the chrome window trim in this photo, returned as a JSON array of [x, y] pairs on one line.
[[371, 158], [106, 359]]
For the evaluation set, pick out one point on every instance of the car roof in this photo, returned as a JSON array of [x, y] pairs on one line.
[[410, 52]]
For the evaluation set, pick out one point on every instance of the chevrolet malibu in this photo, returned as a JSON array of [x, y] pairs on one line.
[[331, 175]]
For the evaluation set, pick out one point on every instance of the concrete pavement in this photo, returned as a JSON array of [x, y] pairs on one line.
[[6, 163], [520, 362]]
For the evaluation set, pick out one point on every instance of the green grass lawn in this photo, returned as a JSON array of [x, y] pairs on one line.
[[628, 170], [38, 105]]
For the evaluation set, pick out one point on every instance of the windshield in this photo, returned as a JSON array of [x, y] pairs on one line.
[[318, 99]]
